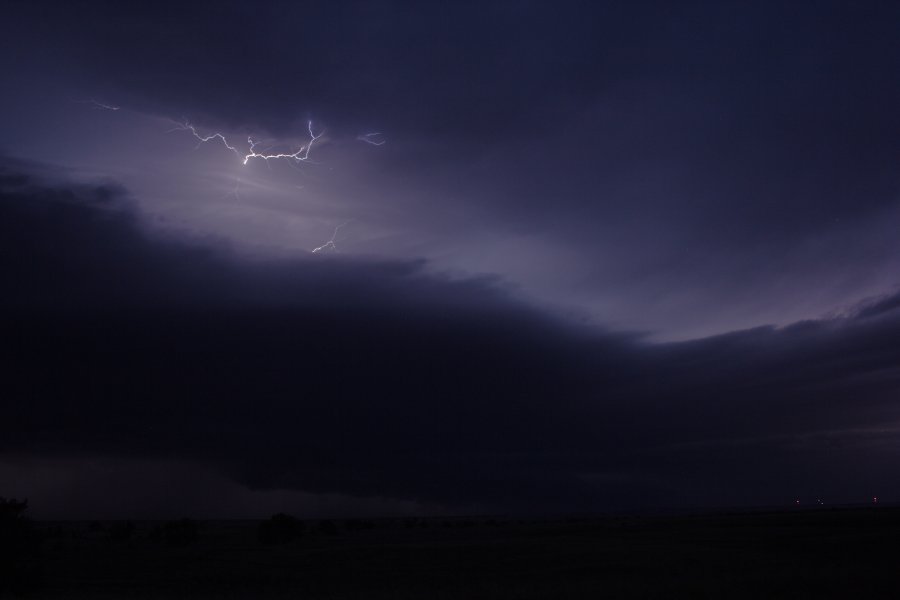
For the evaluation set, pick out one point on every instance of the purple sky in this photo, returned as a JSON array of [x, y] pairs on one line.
[[620, 247]]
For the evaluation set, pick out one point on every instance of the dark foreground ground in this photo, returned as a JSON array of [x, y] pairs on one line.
[[841, 553]]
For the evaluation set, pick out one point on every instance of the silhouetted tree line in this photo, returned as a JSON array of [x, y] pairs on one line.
[[176, 534], [20, 567], [282, 528], [358, 524], [121, 531], [327, 527]]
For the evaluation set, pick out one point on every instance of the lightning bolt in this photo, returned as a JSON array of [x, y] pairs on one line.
[[330, 245], [374, 138], [254, 151], [98, 105], [102, 106], [186, 126], [300, 155]]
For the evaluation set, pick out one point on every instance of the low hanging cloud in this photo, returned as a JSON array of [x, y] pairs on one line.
[[376, 379]]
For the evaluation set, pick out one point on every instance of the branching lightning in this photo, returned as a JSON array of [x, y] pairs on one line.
[[301, 155], [256, 151], [186, 126], [374, 138], [330, 244]]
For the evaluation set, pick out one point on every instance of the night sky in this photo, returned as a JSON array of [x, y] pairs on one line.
[[570, 256]]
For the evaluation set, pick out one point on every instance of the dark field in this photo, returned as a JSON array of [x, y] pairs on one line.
[[839, 553]]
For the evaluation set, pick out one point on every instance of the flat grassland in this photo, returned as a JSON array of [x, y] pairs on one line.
[[837, 553]]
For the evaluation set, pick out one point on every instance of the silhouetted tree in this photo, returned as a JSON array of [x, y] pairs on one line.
[[19, 548], [279, 529]]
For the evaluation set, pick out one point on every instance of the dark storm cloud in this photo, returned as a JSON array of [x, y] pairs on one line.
[[736, 153], [420, 67], [734, 89], [374, 379]]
